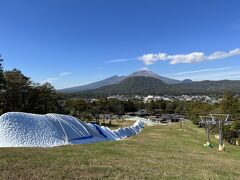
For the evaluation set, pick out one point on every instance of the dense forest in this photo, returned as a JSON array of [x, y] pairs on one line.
[[19, 93]]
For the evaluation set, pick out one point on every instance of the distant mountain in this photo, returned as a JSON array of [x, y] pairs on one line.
[[147, 82], [95, 85], [206, 87], [187, 81], [140, 85], [146, 73], [134, 85], [117, 79]]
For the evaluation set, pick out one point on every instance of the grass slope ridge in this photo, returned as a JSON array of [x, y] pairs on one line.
[[134, 85], [159, 152]]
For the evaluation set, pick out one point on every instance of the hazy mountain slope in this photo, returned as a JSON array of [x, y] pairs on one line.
[[105, 82]]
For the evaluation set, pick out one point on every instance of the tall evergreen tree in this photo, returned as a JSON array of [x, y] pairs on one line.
[[47, 99], [2, 86], [17, 87]]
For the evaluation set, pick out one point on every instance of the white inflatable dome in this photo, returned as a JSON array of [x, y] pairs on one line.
[[32, 130]]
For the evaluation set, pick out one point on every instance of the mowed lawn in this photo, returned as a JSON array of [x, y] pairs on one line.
[[159, 152]]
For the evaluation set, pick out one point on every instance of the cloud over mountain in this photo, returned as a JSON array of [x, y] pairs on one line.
[[194, 57]]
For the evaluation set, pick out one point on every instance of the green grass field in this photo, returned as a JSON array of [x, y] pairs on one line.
[[159, 152]]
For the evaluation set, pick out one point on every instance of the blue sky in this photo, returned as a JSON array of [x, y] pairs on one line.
[[75, 42]]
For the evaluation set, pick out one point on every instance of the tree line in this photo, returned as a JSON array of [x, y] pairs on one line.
[[19, 93]]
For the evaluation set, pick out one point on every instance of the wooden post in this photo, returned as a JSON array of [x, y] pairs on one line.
[[208, 135], [206, 120], [237, 142], [220, 148]]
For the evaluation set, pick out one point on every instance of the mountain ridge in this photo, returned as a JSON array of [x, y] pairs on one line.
[[147, 73], [140, 85], [117, 79], [133, 85], [147, 82], [108, 81]]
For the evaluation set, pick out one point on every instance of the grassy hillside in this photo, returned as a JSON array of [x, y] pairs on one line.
[[160, 152]]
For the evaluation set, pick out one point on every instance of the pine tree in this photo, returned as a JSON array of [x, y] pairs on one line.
[[16, 90], [2, 86]]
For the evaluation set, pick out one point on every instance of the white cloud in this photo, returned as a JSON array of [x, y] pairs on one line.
[[232, 73], [65, 74], [49, 80], [144, 69], [194, 57], [120, 60], [53, 79], [220, 75], [203, 70], [149, 58]]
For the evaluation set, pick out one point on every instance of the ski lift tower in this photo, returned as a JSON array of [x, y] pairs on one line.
[[221, 120], [207, 121]]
